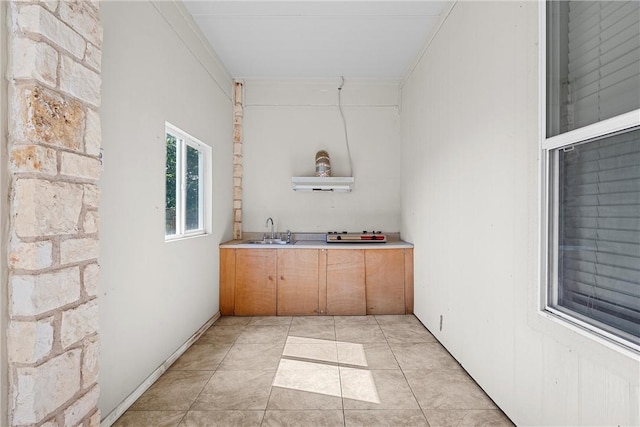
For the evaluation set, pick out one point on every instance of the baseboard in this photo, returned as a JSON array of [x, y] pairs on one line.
[[113, 416]]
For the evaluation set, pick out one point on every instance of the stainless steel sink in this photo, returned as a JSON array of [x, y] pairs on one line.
[[269, 242]]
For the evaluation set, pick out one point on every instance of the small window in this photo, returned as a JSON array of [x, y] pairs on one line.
[[592, 167], [187, 161]]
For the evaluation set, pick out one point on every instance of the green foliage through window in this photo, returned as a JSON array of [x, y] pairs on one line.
[[170, 186], [192, 189]]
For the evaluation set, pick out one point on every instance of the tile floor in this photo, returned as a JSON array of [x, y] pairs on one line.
[[315, 371]]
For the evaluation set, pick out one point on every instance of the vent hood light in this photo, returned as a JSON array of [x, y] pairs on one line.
[[317, 183]]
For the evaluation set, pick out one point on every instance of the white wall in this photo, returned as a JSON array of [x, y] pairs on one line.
[[287, 122], [470, 205], [154, 295]]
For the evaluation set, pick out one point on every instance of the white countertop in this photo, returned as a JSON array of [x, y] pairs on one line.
[[318, 244]]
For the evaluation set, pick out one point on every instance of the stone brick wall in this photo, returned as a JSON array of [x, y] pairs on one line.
[[54, 164], [238, 93]]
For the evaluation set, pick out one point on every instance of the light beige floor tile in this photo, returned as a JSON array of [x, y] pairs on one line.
[[385, 418], [406, 333], [359, 333], [313, 352], [174, 390], [308, 418], [242, 390], [276, 334], [222, 419], [447, 389], [287, 398], [306, 376], [352, 354], [380, 389], [386, 319], [294, 339], [232, 321], [368, 355], [463, 417], [270, 321], [423, 356], [312, 321], [323, 331], [221, 334], [252, 357], [200, 357], [354, 320], [311, 348], [358, 388], [150, 418]]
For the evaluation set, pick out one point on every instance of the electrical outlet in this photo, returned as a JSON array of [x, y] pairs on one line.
[[441, 323]]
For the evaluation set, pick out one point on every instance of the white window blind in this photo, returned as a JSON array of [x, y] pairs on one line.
[[604, 60], [599, 247]]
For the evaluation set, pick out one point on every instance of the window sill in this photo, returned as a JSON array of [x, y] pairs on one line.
[[186, 237], [626, 348]]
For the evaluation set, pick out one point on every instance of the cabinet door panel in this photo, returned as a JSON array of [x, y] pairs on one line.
[[385, 281], [227, 281], [322, 282], [255, 282], [297, 282], [345, 282]]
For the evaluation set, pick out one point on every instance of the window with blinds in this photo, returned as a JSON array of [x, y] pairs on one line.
[[592, 153], [599, 232]]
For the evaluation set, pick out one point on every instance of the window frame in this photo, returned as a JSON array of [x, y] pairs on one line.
[[183, 142], [549, 179]]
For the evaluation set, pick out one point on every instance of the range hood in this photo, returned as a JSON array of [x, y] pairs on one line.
[[317, 183]]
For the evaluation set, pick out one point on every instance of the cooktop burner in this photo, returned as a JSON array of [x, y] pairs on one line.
[[364, 237]]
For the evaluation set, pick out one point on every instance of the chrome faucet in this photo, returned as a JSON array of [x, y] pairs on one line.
[[273, 236]]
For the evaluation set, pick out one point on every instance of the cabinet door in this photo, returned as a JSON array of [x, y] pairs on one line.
[[255, 282], [297, 282], [227, 281], [345, 282], [385, 281]]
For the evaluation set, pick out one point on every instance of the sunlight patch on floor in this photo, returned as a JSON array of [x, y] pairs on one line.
[[311, 365], [308, 376], [358, 384]]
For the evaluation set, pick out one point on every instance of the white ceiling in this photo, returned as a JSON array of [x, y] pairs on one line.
[[317, 39]]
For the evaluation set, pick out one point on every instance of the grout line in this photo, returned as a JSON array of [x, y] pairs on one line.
[[214, 370], [403, 373], [335, 334], [266, 406]]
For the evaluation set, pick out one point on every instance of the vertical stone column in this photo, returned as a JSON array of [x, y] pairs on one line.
[[238, 92], [54, 164]]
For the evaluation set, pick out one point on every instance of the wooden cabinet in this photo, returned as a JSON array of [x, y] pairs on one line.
[[384, 276], [286, 282], [227, 281], [255, 287], [298, 282], [346, 293]]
